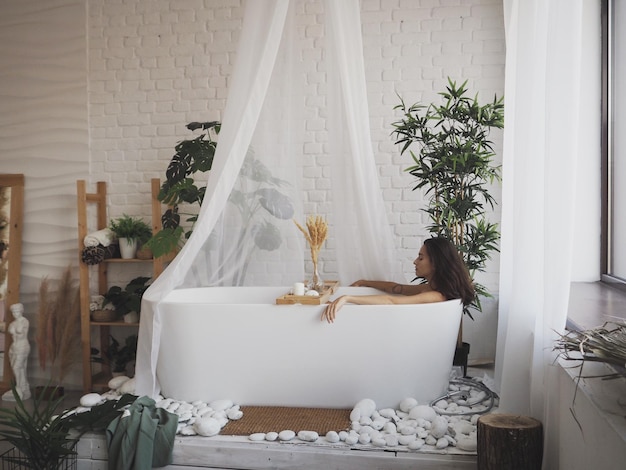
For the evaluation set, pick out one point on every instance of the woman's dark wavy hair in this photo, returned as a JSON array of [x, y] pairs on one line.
[[450, 275]]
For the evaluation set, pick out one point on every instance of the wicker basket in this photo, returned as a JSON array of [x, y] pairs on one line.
[[103, 315], [13, 459]]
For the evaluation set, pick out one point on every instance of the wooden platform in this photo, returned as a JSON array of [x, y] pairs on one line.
[[235, 452]]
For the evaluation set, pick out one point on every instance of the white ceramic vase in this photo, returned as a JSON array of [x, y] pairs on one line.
[[128, 248]]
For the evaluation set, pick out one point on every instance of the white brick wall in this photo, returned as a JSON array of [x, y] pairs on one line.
[[156, 65]]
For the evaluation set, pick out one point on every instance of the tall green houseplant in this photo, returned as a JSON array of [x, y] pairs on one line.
[[453, 161]]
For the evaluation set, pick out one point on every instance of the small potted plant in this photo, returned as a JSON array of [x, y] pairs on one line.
[[130, 232], [127, 300], [118, 358]]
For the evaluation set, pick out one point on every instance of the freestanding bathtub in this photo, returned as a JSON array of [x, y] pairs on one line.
[[235, 343]]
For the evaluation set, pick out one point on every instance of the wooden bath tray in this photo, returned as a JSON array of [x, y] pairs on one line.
[[290, 299]]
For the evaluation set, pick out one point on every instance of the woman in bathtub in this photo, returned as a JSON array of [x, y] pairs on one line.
[[438, 263]]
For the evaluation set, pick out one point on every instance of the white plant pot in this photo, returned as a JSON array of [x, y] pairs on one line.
[[128, 248]]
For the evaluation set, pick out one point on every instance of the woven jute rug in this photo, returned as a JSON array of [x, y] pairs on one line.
[[277, 418]]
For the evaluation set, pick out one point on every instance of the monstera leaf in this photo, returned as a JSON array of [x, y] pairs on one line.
[[276, 203], [267, 236], [257, 171]]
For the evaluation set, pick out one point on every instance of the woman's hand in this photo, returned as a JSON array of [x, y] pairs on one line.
[[330, 312], [360, 283]]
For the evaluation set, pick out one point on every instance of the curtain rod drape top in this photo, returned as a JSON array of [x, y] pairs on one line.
[[245, 234]]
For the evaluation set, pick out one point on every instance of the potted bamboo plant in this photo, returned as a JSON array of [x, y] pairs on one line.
[[453, 161], [130, 232]]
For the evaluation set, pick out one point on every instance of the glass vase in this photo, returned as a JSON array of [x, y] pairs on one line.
[[316, 282]]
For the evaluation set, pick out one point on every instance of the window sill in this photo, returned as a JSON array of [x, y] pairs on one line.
[[591, 304]]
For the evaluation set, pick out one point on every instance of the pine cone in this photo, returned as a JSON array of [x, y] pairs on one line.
[[93, 255]]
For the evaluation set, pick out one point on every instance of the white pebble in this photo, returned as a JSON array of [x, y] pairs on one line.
[[391, 440], [183, 417], [207, 427], [308, 436], [342, 435], [416, 444], [379, 423], [234, 414], [390, 428], [442, 443], [431, 440], [271, 436], [185, 407], [365, 421], [355, 415], [286, 435], [407, 430], [332, 437], [443, 404], [164, 403], [90, 399], [422, 411], [367, 407], [407, 404], [257, 436], [187, 431], [467, 443], [364, 438], [116, 382], [351, 439], [406, 440], [463, 427], [221, 405], [204, 410], [439, 427], [388, 413], [379, 442], [128, 386]]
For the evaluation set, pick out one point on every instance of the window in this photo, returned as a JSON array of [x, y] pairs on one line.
[[614, 141]]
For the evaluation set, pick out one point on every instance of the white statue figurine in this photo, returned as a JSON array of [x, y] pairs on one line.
[[18, 353]]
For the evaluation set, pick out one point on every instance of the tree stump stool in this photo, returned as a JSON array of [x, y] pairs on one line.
[[511, 442]]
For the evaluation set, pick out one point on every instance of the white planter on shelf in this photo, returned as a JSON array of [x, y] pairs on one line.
[[128, 248]]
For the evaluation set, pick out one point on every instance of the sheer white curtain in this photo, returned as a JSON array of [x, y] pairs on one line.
[[244, 234], [545, 130]]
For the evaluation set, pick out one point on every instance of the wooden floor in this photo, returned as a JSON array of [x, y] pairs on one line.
[[230, 452]]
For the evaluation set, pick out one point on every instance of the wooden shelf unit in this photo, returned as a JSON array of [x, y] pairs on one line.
[[97, 199]]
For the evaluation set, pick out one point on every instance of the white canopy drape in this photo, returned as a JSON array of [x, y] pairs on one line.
[[546, 138], [244, 234]]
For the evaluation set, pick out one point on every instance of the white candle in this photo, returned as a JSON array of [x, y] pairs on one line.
[[298, 288]]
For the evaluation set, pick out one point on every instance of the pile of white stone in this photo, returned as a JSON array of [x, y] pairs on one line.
[[450, 422]]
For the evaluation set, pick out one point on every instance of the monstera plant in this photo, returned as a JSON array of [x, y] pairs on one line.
[[256, 193], [193, 158]]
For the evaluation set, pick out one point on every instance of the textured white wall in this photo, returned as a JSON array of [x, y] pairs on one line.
[[103, 89], [156, 67]]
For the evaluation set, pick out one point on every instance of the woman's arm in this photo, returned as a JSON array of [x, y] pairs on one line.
[[429, 296], [393, 287]]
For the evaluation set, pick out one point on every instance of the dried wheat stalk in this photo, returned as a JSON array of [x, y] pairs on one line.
[[58, 326], [316, 233], [603, 344]]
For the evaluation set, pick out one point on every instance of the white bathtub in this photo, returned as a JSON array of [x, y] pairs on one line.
[[235, 343]]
